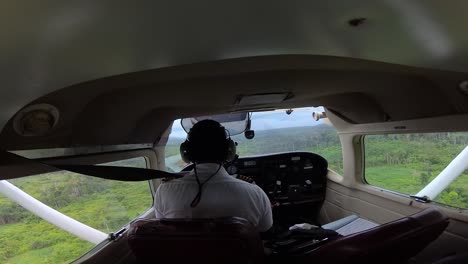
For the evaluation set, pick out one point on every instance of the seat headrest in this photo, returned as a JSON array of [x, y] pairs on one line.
[[232, 240]]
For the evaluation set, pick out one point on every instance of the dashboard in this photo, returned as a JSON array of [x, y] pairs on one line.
[[295, 182]]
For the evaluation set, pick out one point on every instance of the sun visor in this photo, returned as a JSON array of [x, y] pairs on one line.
[[262, 99], [234, 123]]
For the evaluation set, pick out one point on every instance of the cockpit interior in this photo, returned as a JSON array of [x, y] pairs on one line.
[[351, 116]]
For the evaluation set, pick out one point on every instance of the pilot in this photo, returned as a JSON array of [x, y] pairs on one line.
[[208, 191]]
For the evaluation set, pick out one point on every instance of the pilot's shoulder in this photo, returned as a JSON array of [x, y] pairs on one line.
[[168, 180], [177, 179], [250, 186]]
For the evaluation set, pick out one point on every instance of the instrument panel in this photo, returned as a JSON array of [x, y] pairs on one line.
[[295, 182], [285, 177]]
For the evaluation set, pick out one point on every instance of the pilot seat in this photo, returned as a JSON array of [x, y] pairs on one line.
[[220, 240]]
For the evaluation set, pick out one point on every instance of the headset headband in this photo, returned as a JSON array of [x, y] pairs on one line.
[[188, 152]]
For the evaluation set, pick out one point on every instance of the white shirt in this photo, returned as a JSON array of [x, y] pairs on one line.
[[222, 196]]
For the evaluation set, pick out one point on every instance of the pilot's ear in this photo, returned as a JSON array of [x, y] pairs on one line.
[[185, 152]]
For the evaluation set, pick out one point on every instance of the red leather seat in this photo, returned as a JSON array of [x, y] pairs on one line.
[[224, 240], [394, 242]]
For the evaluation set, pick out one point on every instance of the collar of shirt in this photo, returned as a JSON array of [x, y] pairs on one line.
[[205, 170]]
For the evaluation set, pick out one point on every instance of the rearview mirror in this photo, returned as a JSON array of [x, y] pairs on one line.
[[234, 123]]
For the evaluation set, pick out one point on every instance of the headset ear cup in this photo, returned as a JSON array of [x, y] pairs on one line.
[[185, 151], [231, 150]]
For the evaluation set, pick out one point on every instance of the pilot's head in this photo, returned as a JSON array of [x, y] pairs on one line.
[[207, 142]]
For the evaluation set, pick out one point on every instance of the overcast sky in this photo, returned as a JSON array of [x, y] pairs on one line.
[[270, 120]]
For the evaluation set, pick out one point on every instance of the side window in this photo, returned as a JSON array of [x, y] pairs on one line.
[[406, 163], [102, 204]]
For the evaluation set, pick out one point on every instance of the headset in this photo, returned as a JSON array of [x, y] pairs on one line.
[[188, 148]]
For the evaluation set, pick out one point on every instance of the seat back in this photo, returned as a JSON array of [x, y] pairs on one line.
[[394, 242], [222, 240]]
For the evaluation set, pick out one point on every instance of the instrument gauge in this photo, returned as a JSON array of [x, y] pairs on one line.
[[232, 170]]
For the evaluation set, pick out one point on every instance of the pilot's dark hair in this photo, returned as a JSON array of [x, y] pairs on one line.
[[207, 142]]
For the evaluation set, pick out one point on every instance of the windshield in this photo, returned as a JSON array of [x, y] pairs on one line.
[[275, 131]]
